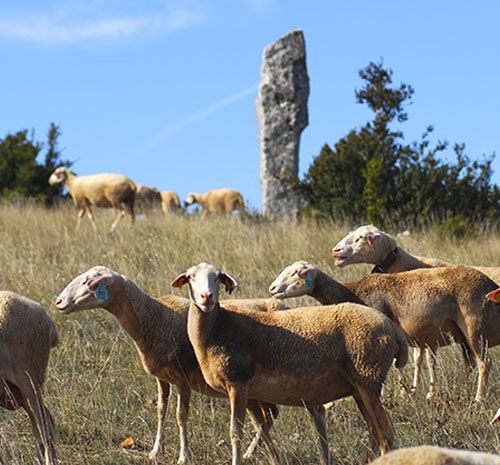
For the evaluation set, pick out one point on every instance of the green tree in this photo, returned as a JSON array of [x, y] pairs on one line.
[[371, 175], [21, 175]]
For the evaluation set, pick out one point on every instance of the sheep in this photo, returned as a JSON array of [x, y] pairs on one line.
[[27, 334], [435, 455], [100, 190], [300, 357], [158, 328], [368, 244], [147, 199], [217, 201], [170, 202], [429, 304]]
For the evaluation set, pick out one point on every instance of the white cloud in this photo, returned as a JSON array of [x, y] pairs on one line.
[[64, 27]]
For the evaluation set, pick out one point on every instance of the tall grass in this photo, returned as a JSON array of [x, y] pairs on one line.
[[98, 392]]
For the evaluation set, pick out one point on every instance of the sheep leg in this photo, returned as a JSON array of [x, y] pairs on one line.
[[318, 415], [380, 426], [238, 398], [483, 362], [418, 354], [161, 407], [430, 355], [121, 214], [183, 400], [262, 415]]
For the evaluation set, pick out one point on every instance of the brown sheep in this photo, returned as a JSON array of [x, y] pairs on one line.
[[27, 334], [300, 357], [368, 244], [170, 202], [147, 199], [429, 304], [99, 190], [217, 201], [158, 328]]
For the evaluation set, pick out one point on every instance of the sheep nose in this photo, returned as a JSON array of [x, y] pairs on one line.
[[335, 251], [272, 289], [206, 296]]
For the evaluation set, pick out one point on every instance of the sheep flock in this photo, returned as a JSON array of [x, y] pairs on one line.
[[261, 354]]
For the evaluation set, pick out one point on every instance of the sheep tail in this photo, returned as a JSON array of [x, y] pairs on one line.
[[401, 354]]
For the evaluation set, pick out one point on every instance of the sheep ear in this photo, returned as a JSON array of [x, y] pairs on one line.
[[180, 280], [494, 295], [229, 282], [307, 273]]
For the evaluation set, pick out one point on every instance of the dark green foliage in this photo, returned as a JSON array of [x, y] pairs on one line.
[[21, 175], [371, 175]]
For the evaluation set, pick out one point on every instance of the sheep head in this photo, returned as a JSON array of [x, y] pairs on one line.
[[295, 280], [366, 244], [88, 290], [204, 281], [58, 176]]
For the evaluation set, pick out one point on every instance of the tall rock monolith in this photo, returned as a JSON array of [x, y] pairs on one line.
[[282, 115]]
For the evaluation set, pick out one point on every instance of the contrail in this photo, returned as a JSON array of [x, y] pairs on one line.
[[193, 118]]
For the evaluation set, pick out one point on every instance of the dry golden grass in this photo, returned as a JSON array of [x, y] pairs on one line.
[[96, 387]]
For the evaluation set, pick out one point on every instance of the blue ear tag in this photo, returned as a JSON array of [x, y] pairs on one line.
[[101, 293], [308, 281]]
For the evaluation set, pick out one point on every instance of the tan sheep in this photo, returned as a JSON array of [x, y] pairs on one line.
[[170, 202], [433, 306], [300, 357], [217, 201], [434, 455], [99, 190], [158, 328], [147, 199], [368, 244], [27, 334]]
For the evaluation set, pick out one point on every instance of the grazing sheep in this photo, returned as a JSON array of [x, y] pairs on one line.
[[368, 244], [429, 304], [217, 201], [27, 333], [434, 455], [301, 357], [147, 199], [170, 202], [99, 190], [158, 328]]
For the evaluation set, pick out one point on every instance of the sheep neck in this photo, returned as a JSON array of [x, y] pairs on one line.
[[328, 291], [386, 264], [200, 326]]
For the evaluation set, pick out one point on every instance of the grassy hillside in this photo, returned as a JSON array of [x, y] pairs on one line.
[[100, 395]]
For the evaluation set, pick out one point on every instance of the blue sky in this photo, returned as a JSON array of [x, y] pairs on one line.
[[164, 90]]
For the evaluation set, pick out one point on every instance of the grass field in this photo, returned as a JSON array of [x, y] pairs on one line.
[[99, 393]]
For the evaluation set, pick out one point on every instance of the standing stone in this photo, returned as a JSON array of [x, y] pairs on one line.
[[282, 115]]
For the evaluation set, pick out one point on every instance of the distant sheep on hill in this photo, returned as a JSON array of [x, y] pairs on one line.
[[170, 202], [99, 190], [217, 201], [147, 199]]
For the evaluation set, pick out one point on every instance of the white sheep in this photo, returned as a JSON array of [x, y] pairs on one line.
[[300, 357], [99, 190], [27, 334], [170, 202], [158, 328], [217, 201], [147, 199], [433, 306], [368, 244], [435, 455]]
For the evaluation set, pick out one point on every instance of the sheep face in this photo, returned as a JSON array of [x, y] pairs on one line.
[[86, 291], [295, 280], [204, 281], [58, 176], [190, 199], [359, 246]]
